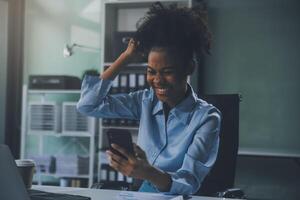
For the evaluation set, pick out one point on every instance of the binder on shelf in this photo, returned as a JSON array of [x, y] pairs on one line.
[[129, 179], [72, 182], [103, 174], [131, 122], [132, 82], [122, 122], [132, 88], [142, 83], [64, 182], [123, 83], [112, 175], [115, 88], [110, 122], [123, 89], [121, 177], [114, 122], [107, 173], [115, 85], [105, 122]]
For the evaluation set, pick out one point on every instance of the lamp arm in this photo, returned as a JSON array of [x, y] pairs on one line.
[[85, 47]]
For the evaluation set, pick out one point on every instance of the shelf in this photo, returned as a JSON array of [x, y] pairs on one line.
[[121, 127], [63, 175], [141, 64], [62, 134], [77, 135], [138, 3], [31, 91]]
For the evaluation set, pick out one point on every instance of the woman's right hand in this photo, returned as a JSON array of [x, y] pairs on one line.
[[131, 48], [122, 60]]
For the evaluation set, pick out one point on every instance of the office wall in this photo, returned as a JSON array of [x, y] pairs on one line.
[[3, 64], [49, 25], [255, 53]]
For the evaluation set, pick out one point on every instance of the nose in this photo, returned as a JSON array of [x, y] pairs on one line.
[[158, 79]]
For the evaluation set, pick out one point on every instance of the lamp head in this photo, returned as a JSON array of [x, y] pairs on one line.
[[68, 51]]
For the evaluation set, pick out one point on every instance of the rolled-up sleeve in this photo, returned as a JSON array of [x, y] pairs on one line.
[[95, 100], [200, 157]]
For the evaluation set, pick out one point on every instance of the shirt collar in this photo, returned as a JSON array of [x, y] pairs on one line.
[[181, 111], [158, 107]]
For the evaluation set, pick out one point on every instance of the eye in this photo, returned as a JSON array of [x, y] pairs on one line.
[[168, 72], [150, 71]]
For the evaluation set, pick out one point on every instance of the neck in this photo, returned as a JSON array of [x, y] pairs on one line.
[[179, 98]]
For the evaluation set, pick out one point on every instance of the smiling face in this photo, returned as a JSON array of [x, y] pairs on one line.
[[167, 79]]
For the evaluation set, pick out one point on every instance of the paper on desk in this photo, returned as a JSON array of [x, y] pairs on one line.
[[125, 195]]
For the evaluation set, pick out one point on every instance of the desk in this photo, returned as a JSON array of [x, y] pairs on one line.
[[97, 194]]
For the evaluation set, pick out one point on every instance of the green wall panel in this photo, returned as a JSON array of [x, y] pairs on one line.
[[255, 53]]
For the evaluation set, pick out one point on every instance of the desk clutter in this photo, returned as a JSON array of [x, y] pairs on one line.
[[63, 165], [107, 173], [52, 126], [54, 82], [72, 165], [42, 195]]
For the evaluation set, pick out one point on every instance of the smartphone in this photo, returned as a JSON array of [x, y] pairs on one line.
[[122, 138]]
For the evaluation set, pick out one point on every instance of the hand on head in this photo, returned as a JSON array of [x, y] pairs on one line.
[[131, 50]]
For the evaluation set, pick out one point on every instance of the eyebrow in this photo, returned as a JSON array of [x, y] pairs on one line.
[[165, 68]]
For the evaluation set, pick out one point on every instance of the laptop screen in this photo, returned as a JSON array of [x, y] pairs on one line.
[[11, 183]]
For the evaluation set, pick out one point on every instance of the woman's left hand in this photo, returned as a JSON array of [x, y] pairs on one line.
[[135, 166]]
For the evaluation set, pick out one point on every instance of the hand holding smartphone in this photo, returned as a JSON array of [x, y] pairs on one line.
[[122, 138]]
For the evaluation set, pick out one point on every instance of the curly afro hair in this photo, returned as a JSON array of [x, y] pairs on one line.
[[182, 29]]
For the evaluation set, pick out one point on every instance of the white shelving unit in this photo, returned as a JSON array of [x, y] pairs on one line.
[[73, 135], [121, 16]]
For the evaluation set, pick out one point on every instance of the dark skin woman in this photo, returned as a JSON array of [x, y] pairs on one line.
[[178, 134]]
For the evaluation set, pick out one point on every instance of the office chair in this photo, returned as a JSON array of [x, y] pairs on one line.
[[220, 181]]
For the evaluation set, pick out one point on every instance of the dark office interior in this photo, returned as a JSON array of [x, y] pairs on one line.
[[254, 55]]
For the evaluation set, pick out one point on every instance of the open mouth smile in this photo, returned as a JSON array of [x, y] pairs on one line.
[[161, 91]]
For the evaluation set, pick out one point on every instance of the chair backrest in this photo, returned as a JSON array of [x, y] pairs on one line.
[[221, 176]]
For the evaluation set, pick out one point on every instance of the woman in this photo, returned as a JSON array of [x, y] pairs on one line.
[[178, 133]]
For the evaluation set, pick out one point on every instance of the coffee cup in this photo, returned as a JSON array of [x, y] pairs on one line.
[[26, 168]]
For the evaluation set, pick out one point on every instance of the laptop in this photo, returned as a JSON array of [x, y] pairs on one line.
[[12, 186], [11, 183]]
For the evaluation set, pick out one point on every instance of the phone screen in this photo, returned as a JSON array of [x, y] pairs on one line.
[[122, 138]]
